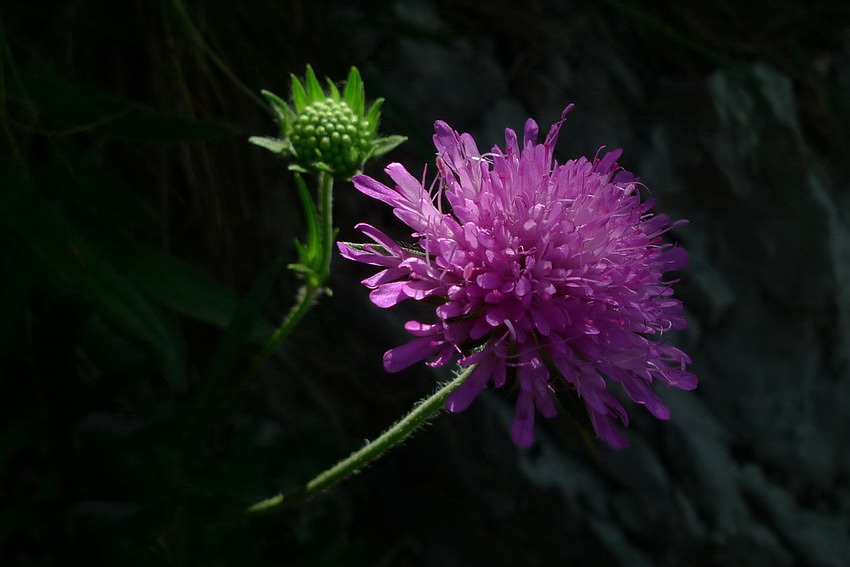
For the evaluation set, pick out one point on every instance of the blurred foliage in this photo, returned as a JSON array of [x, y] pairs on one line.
[[137, 280], [142, 239]]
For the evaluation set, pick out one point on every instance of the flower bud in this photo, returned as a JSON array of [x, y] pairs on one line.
[[327, 131]]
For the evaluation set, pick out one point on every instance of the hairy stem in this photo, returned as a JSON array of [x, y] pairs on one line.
[[402, 429], [305, 298], [326, 183]]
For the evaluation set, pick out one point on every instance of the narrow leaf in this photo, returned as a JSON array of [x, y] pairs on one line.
[[374, 115], [354, 95], [310, 216], [281, 109], [70, 264], [306, 271], [224, 360], [299, 96], [243, 322], [314, 88], [71, 107], [383, 145], [274, 145], [334, 92]]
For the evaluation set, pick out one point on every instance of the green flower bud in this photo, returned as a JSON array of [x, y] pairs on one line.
[[327, 131]]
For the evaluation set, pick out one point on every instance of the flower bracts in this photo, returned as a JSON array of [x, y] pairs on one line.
[[550, 275]]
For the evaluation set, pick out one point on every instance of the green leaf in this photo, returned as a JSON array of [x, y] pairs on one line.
[[303, 252], [383, 145], [86, 194], [311, 217], [281, 109], [71, 108], [225, 359], [334, 92], [182, 287], [354, 92], [299, 96], [322, 166], [374, 115], [274, 145], [314, 88], [304, 270], [69, 265], [242, 324], [289, 118]]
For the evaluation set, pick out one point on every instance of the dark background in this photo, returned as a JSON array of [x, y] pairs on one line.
[[140, 232]]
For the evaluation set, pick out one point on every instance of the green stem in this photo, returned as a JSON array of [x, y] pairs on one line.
[[314, 287], [420, 413], [326, 184], [307, 294]]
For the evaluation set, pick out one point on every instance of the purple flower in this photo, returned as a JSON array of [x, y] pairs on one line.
[[546, 275]]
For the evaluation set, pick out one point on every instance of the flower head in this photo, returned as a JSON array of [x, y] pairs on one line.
[[547, 275], [327, 131]]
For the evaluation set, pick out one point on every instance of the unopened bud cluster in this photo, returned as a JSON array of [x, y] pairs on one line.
[[328, 131]]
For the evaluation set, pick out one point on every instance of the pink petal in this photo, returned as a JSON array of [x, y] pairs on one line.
[[388, 294], [375, 189], [543, 399], [530, 133], [380, 238], [403, 356], [522, 429], [639, 392], [384, 276], [409, 187], [607, 432], [461, 398], [489, 280], [420, 329]]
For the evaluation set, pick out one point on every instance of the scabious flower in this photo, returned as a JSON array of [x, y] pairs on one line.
[[546, 275]]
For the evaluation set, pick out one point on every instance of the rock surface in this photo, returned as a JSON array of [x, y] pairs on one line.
[[751, 469]]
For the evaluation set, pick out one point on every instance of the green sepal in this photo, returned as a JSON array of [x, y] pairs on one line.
[[314, 88], [301, 269], [312, 218], [302, 251], [354, 92], [320, 153], [374, 115], [281, 109], [274, 145], [334, 92], [381, 249], [306, 254], [322, 166], [299, 95], [383, 145], [305, 272]]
